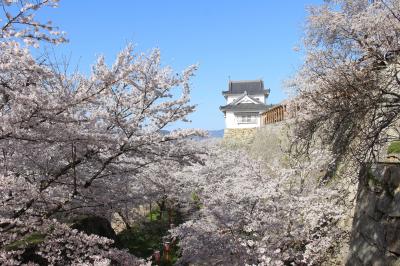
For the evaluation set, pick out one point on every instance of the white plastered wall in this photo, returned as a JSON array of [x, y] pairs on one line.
[[231, 121]]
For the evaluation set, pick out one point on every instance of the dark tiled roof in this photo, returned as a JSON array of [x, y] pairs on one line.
[[244, 107], [251, 86]]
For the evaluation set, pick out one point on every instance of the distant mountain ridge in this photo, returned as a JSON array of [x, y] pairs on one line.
[[216, 133], [211, 133]]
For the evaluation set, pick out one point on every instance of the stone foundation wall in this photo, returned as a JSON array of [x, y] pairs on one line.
[[240, 135], [375, 238]]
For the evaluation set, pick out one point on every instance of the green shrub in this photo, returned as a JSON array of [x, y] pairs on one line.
[[31, 240], [154, 214], [143, 239], [394, 147], [196, 200]]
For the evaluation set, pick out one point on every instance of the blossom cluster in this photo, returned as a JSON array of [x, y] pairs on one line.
[[44, 241], [347, 90], [250, 215], [75, 144]]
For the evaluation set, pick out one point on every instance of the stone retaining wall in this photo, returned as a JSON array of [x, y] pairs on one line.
[[242, 135], [375, 238]]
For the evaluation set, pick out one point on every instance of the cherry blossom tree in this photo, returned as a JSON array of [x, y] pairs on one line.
[[70, 143], [18, 22], [252, 214], [97, 143], [158, 186], [70, 133], [36, 241], [348, 87]]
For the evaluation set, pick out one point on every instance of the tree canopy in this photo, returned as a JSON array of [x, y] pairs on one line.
[[348, 88]]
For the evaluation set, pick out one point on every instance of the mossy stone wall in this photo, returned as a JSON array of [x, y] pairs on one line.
[[375, 238]]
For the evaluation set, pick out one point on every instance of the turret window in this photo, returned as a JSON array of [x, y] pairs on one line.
[[246, 118]]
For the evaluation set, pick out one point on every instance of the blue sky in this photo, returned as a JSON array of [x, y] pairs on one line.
[[237, 39]]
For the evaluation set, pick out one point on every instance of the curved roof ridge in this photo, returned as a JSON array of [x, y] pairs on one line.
[[246, 80]]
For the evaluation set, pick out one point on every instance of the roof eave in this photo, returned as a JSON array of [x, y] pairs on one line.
[[243, 109], [263, 92], [222, 108]]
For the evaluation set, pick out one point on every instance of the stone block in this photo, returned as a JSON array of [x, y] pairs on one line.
[[384, 203], [395, 177], [367, 206], [393, 237], [395, 206], [367, 253], [373, 231], [378, 172], [378, 261], [392, 260], [239, 135]]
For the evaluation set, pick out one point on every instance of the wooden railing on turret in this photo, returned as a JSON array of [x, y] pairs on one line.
[[275, 114]]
